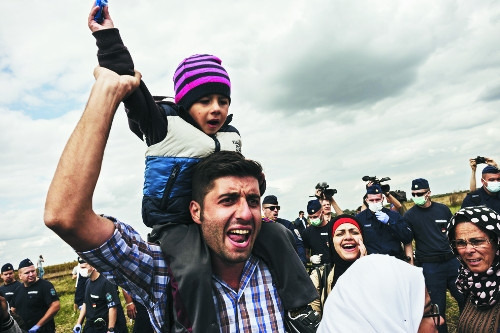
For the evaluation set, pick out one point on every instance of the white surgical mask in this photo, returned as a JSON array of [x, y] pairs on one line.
[[84, 272], [376, 206], [493, 186]]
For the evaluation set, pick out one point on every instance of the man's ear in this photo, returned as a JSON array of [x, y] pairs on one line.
[[483, 182], [195, 210]]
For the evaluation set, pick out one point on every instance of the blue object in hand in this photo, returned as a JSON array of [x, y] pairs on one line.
[[382, 217], [99, 17], [34, 329]]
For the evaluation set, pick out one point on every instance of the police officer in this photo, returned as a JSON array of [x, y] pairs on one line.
[[488, 194], [102, 309], [80, 285], [316, 237], [440, 266], [10, 284], [384, 230], [270, 210], [36, 300]]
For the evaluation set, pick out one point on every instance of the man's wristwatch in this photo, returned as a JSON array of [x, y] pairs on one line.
[[111, 329]]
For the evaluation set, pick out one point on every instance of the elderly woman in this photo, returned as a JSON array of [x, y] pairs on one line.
[[474, 233], [347, 244]]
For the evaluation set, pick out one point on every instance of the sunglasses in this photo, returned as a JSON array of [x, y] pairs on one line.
[[434, 314], [474, 242], [419, 194], [272, 207]]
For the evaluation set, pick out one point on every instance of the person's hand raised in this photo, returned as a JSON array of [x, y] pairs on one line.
[[107, 23], [123, 85]]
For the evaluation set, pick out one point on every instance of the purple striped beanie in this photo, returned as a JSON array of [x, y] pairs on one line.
[[197, 76]]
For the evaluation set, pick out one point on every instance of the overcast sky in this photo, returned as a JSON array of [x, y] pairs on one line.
[[322, 90]]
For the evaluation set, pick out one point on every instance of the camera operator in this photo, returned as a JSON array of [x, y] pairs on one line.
[[325, 197], [384, 230], [390, 196], [473, 162], [489, 193]]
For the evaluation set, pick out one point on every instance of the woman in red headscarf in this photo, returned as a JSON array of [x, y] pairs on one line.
[[346, 245]]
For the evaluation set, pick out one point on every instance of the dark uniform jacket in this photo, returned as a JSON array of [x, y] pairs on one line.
[[385, 238], [480, 197]]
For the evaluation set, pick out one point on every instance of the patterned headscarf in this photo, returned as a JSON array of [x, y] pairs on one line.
[[484, 288]]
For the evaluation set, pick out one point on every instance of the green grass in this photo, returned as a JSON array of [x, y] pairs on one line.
[[452, 313]]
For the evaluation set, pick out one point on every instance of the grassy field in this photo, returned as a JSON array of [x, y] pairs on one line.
[[452, 313]]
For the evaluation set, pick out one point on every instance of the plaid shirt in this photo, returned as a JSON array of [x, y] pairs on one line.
[[140, 268]]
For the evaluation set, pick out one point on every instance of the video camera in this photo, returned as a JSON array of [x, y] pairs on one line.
[[399, 195], [385, 187], [324, 190], [480, 160]]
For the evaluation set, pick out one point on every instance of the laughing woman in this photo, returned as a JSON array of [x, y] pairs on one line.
[[474, 233], [347, 246]]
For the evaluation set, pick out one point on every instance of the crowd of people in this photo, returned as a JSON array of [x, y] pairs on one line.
[[458, 252], [220, 259], [32, 301]]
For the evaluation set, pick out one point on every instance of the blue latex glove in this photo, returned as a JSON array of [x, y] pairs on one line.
[[34, 329], [382, 217], [77, 328]]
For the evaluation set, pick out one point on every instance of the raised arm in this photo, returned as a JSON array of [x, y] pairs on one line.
[[68, 207], [335, 206], [146, 119], [472, 183]]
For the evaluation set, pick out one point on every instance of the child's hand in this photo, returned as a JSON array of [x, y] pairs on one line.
[[107, 23]]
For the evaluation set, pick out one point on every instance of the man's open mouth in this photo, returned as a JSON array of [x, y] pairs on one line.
[[239, 236]]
